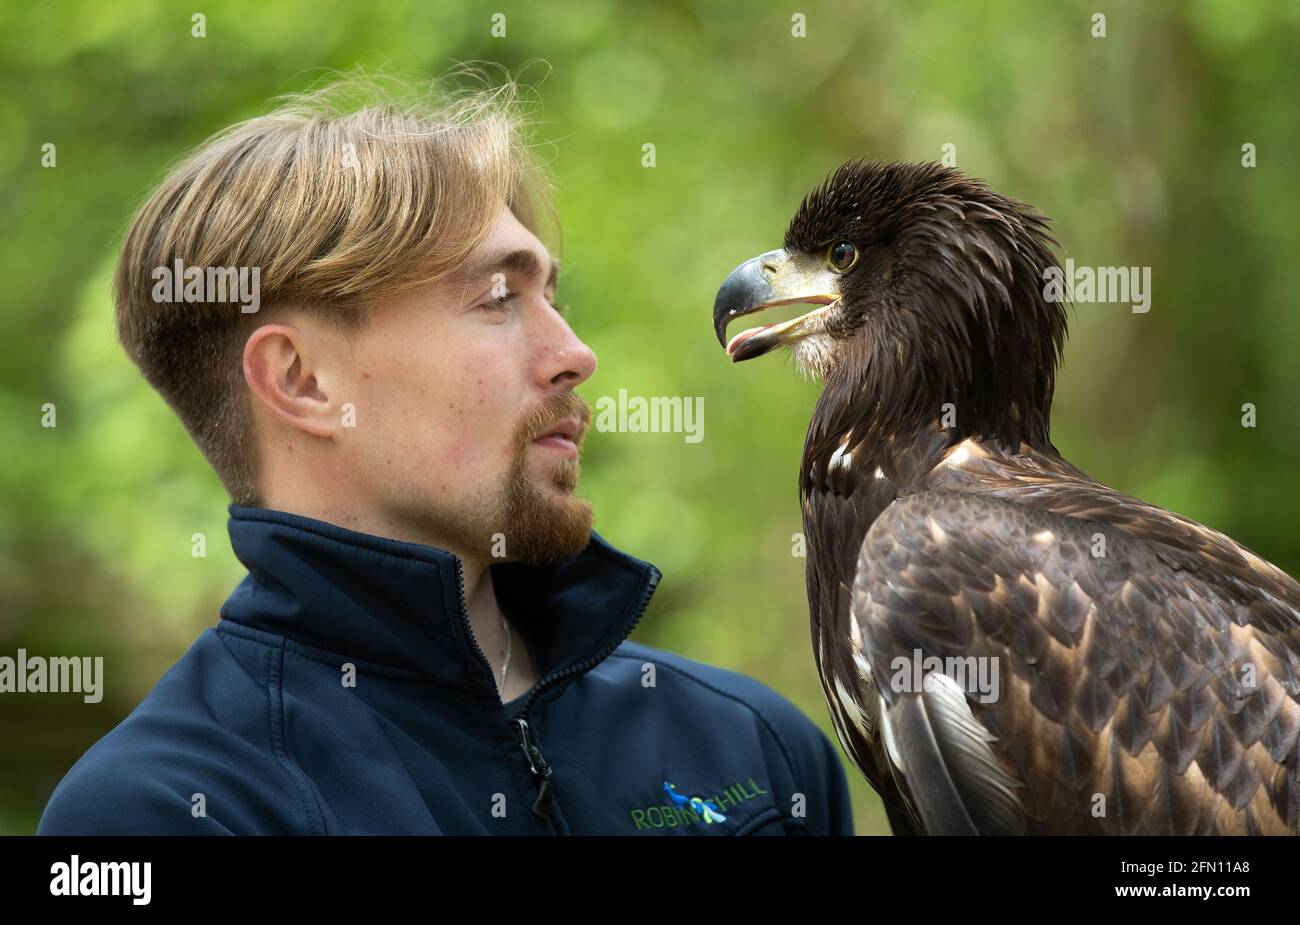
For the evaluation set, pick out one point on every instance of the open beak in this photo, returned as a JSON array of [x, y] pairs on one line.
[[774, 278]]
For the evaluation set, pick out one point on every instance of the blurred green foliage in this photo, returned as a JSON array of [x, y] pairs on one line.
[[1131, 142]]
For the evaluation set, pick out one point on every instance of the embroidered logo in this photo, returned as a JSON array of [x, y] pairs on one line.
[[680, 810], [705, 809]]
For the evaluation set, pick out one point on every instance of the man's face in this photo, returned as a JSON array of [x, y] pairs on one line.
[[467, 427]]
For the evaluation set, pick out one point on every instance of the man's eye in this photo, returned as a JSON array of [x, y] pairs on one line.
[[498, 303]]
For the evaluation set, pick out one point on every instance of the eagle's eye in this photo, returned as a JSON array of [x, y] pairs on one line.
[[842, 256]]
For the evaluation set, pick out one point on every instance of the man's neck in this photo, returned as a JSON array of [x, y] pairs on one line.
[[490, 627]]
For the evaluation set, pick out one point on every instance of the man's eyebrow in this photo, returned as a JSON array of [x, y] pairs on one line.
[[521, 261]]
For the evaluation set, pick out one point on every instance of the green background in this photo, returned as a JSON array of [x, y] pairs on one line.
[[1132, 142]]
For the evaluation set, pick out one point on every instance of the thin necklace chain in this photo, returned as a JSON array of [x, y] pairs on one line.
[[505, 628]]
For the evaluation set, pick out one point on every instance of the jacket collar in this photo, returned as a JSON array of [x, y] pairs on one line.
[[400, 604]]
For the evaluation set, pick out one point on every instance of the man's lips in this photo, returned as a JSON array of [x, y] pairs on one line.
[[562, 436]]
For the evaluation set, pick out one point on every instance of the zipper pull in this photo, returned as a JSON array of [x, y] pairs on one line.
[[538, 766]]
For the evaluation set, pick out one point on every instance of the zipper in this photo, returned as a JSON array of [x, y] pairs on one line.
[[539, 768], [537, 764], [464, 616]]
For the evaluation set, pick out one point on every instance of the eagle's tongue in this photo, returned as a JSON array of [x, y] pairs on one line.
[[743, 336]]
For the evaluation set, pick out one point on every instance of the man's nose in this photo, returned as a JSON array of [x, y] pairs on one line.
[[571, 361]]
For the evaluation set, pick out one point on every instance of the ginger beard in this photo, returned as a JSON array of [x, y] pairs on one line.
[[541, 521]]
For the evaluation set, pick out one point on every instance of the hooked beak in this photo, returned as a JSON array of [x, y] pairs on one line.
[[774, 278]]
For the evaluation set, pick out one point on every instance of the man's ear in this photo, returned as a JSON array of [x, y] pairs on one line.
[[282, 366]]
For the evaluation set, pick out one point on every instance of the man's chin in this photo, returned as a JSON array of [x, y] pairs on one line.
[[547, 522], [563, 537]]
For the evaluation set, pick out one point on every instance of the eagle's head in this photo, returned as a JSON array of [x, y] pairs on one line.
[[928, 289]]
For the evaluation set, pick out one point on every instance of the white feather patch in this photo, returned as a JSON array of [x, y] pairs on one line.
[[852, 710], [887, 733]]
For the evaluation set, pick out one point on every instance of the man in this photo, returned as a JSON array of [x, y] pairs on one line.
[[353, 316]]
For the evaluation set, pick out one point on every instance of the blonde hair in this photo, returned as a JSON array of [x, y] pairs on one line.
[[339, 197]]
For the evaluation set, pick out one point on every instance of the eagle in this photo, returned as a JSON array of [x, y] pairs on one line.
[[1006, 645]]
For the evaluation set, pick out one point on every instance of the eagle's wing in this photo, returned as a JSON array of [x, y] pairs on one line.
[[1140, 691]]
